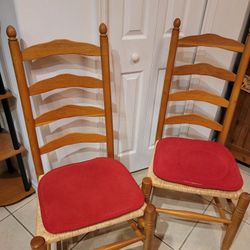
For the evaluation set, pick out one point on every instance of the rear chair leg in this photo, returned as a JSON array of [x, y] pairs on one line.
[[237, 217], [39, 243], [147, 188], [149, 226]]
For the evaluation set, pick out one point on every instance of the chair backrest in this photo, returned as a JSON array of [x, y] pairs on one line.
[[62, 47], [207, 40]]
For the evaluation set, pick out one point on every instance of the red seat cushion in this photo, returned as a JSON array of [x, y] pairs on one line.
[[197, 163], [86, 193]]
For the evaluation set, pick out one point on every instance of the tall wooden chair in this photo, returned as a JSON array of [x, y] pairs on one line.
[[199, 166], [78, 198]]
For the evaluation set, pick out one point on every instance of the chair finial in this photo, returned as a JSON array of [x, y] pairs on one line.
[[103, 29], [177, 23], [11, 32]]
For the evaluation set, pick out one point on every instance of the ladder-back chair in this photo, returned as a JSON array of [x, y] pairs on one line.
[[202, 167], [82, 197]]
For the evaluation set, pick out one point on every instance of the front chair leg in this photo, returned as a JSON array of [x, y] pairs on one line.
[[147, 188], [237, 217], [149, 226], [38, 243]]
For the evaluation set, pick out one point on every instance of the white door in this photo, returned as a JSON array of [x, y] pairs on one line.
[[139, 33]]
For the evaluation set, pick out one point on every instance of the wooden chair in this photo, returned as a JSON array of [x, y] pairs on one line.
[[89, 195], [199, 166]]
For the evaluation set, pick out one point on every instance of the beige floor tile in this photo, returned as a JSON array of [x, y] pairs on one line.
[[172, 230], [104, 236], [206, 236], [67, 244], [14, 207], [27, 215], [157, 245], [244, 168], [3, 213], [112, 234], [246, 188], [13, 235], [242, 240], [139, 175]]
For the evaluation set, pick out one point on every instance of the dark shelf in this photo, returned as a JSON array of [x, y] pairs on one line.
[[13, 186]]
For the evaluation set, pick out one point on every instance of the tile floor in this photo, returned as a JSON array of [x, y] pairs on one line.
[[17, 225]]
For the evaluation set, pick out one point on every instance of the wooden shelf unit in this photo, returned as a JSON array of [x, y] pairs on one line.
[[13, 186], [7, 150]]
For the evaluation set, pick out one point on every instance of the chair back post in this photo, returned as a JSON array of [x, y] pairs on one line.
[[235, 92], [17, 60], [106, 89], [168, 77]]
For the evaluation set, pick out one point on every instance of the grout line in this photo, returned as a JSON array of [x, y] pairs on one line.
[[13, 215], [11, 212], [77, 243], [5, 217], [228, 212], [163, 242], [22, 225], [186, 239], [196, 223], [247, 222]]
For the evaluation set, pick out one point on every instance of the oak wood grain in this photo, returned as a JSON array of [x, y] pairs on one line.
[[199, 95], [71, 139], [204, 69], [68, 111], [194, 119], [64, 81], [59, 47], [211, 40]]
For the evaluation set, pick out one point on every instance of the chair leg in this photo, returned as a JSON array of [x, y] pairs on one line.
[[147, 188], [237, 217], [38, 243], [149, 226]]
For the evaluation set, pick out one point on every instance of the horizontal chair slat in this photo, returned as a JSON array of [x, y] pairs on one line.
[[192, 215], [68, 111], [6, 95], [194, 119], [205, 69], [199, 95], [60, 47], [71, 139], [64, 81], [122, 243], [211, 40]]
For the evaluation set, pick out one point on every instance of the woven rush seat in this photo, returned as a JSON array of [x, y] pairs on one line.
[[196, 163], [73, 196]]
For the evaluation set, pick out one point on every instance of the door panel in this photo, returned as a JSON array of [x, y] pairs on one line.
[[132, 27], [140, 34], [191, 14]]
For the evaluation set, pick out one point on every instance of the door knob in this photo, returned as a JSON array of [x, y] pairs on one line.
[[135, 57]]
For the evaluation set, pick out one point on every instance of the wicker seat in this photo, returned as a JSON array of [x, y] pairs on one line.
[[81, 197], [192, 165]]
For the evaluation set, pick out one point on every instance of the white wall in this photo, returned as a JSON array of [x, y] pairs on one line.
[[8, 16], [39, 21]]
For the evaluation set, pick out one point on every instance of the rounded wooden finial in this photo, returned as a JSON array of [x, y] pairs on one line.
[[37, 242], [11, 32], [103, 29], [177, 22]]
